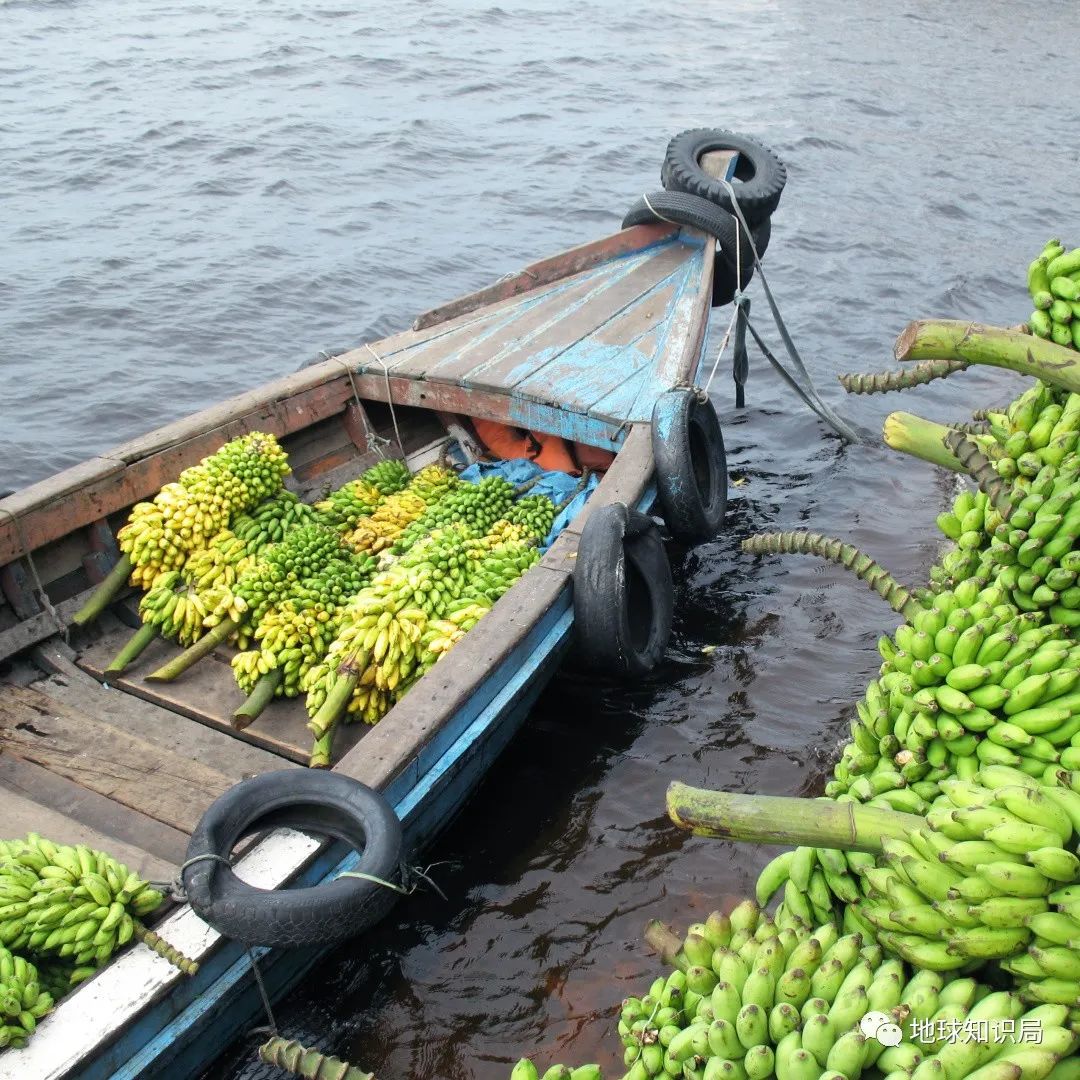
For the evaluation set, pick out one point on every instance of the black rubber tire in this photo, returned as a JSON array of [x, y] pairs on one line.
[[698, 213], [322, 803], [759, 180], [623, 593], [691, 465]]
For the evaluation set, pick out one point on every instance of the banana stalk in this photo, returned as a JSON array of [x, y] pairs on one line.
[[882, 382], [911, 434], [159, 945], [771, 819], [293, 1058], [348, 676], [847, 555], [105, 593], [979, 468], [258, 699], [203, 647], [133, 649], [951, 339]]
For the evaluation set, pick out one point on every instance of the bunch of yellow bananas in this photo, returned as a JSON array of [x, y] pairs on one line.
[[398, 511]]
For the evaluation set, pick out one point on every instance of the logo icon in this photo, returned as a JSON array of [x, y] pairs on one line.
[[877, 1025]]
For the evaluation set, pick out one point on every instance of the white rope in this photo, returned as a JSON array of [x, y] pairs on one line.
[[389, 398], [723, 347]]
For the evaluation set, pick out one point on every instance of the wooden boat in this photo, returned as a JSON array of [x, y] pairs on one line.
[[578, 345]]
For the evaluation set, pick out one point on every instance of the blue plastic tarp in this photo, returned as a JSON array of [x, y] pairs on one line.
[[557, 486]]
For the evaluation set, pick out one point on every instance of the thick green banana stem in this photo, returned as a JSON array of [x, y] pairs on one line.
[[911, 434], [882, 382], [308, 1064], [258, 699], [847, 555], [105, 593], [772, 819], [203, 647], [980, 469], [163, 948], [133, 649], [331, 709], [948, 339]]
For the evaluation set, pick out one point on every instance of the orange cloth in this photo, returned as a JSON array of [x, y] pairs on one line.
[[548, 451]]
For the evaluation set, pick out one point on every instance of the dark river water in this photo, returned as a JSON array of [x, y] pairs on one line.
[[196, 198]]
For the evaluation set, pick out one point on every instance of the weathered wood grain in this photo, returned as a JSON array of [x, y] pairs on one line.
[[89, 809], [541, 273], [102, 758]]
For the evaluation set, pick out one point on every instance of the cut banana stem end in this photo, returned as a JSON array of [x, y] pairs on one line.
[[883, 382], [105, 593], [164, 949], [134, 648], [860, 564], [294, 1058], [1026, 354], [203, 647], [771, 819], [258, 699], [980, 469], [665, 943], [911, 434]]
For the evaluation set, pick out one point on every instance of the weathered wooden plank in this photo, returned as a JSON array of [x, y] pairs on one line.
[[541, 273], [102, 758], [39, 627], [208, 693], [531, 352], [394, 741], [680, 355], [167, 730], [451, 356], [90, 809], [591, 368], [22, 815]]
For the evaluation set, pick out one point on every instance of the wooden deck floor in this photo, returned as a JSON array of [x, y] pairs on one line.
[[81, 763], [595, 343]]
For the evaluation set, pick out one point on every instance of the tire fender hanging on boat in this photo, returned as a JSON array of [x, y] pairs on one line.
[[321, 803], [691, 465], [623, 593], [698, 213]]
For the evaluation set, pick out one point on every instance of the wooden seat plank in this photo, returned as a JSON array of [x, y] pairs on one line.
[[591, 368], [207, 692], [22, 815], [90, 809], [102, 758], [522, 358], [166, 729]]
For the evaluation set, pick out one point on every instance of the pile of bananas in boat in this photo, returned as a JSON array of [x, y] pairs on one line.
[[1054, 284], [350, 600]]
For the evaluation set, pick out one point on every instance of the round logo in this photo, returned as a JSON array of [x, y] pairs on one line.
[[872, 1022]]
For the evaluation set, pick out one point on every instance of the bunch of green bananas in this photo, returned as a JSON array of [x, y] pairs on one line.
[[532, 517], [526, 1070], [69, 902], [396, 512], [359, 498], [271, 521], [23, 1000], [476, 507], [294, 635], [185, 515], [971, 523], [179, 610], [750, 1000], [1039, 428], [1054, 284]]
